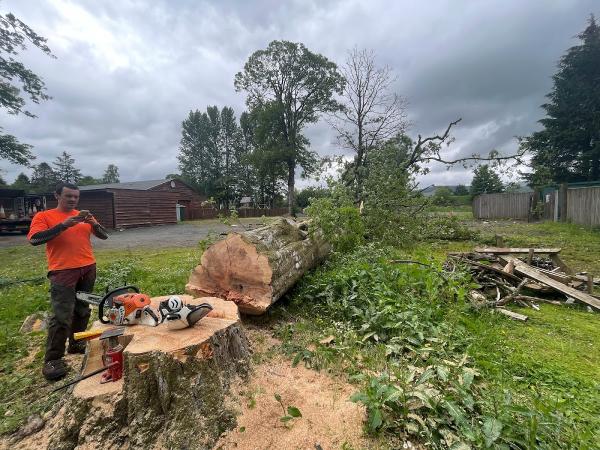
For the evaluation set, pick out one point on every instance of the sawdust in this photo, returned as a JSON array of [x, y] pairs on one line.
[[328, 419]]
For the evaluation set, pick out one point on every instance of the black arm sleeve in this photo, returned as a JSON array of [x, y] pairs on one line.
[[99, 231], [41, 237]]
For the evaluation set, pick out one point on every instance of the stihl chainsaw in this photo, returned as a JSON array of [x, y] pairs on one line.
[[122, 306]]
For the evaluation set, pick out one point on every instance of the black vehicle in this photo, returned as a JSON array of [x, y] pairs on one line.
[[17, 208]]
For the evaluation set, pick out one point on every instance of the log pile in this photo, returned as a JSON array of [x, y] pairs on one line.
[[255, 268], [524, 276], [173, 390]]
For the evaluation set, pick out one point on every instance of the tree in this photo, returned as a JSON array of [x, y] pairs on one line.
[[567, 149], [268, 161], [371, 114], [43, 178], [304, 197], [111, 174], [21, 182], [300, 85], [2, 182], [461, 189], [88, 180], [485, 181], [209, 152], [15, 78], [65, 169], [442, 196]]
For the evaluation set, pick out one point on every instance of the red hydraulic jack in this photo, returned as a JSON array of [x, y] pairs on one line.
[[113, 356], [112, 359]]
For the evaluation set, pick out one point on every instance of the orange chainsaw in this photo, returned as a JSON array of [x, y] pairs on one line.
[[122, 306]]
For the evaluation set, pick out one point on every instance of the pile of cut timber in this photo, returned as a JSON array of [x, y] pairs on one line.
[[255, 268], [525, 276], [173, 390]]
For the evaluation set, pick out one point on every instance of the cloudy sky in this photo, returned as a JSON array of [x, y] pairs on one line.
[[128, 71]]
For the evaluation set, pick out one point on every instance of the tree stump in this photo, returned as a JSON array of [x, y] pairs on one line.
[[255, 268], [172, 394]]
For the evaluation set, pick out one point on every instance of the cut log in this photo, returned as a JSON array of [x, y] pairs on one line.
[[172, 394], [507, 250], [255, 268], [532, 272]]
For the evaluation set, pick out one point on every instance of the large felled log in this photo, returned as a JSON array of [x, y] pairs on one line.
[[172, 394], [255, 268]]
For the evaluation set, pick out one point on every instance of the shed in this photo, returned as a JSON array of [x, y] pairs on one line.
[[139, 203], [246, 202]]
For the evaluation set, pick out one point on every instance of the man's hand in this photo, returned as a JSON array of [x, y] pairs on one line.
[[90, 219], [72, 221]]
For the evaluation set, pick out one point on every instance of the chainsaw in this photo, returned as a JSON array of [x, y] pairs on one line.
[[179, 315], [122, 306]]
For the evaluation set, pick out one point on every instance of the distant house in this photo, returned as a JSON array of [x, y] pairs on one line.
[[246, 202], [140, 203]]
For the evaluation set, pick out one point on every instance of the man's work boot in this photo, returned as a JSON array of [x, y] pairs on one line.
[[76, 347], [54, 370]]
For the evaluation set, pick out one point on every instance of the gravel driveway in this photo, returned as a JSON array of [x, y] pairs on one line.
[[180, 235]]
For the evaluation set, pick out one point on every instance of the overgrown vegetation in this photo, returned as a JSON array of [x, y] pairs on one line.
[[431, 369]]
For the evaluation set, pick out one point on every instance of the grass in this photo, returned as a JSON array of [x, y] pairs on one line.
[[158, 272], [552, 361]]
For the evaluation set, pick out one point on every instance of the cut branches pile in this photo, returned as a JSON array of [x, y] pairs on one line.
[[525, 277]]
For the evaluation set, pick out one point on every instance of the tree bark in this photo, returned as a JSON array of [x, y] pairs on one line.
[[172, 394], [291, 180], [255, 268]]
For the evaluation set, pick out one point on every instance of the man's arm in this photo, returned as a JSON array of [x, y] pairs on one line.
[[39, 233], [41, 237], [98, 230]]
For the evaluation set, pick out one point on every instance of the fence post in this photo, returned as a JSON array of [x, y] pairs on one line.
[[533, 213], [562, 202]]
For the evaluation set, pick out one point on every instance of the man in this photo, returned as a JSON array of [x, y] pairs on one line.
[[71, 268]]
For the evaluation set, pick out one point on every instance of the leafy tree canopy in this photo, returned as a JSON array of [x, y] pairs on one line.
[[298, 85], [485, 181], [567, 149], [111, 174], [65, 169], [461, 189], [15, 79]]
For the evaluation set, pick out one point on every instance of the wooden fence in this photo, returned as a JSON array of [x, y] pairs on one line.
[[583, 206], [502, 206], [211, 213]]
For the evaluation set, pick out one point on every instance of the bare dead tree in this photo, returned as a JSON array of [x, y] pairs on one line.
[[372, 112]]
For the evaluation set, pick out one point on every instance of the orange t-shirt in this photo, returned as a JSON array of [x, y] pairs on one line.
[[71, 248]]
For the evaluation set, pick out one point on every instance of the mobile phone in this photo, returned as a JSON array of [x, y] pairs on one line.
[[83, 213]]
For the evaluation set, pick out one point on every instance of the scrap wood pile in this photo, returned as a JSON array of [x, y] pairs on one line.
[[523, 276]]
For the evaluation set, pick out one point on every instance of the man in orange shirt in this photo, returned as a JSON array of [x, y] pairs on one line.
[[71, 268]]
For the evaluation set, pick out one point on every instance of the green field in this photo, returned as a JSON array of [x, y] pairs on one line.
[[548, 366]]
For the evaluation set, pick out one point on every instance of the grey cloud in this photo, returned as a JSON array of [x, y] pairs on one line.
[[123, 84]]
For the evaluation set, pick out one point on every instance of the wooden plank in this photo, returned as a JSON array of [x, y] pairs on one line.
[[560, 263], [513, 315], [532, 272], [493, 269], [507, 250]]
